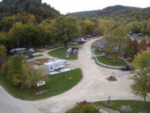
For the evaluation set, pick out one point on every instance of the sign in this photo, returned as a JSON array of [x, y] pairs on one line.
[[40, 83]]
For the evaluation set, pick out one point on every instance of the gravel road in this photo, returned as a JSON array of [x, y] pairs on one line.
[[93, 87]]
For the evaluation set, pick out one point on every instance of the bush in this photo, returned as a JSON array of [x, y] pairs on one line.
[[84, 107]]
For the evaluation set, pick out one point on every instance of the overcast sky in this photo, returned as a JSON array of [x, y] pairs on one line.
[[68, 6]]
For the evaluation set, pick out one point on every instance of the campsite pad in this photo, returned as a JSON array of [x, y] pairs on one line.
[[60, 71], [125, 108]]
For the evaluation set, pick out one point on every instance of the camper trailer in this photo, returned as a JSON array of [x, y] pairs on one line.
[[55, 65], [18, 50]]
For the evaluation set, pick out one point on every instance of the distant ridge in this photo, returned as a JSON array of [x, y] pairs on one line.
[[115, 12]]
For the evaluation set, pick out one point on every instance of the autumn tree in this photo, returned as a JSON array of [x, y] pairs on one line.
[[2, 54], [141, 78], [135, 44], [143, 45], [130, 50]]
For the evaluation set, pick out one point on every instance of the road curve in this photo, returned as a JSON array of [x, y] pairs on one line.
[[93, 87]]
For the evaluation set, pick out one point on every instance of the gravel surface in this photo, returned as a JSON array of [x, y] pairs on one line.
[[93, 87]]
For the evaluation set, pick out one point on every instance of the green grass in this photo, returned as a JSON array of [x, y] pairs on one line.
[[111, 62], [136, 106], [61, 53], [97, 52], [56, 84]]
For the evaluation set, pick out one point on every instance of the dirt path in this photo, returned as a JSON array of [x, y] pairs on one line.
[[93, 87]]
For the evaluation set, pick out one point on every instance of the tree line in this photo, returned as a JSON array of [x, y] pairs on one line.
[[40, 10]]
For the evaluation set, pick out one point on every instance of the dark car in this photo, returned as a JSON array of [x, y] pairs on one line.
[[28, 57], [126, 68]]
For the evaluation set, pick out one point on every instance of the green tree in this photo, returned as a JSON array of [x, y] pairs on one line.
[[64, 29], [20, 73], [86, 27], [141, 79], [6, 24], [115, 39]]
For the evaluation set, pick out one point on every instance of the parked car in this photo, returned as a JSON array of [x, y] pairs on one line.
[[103, 55], [32, 50], [28, 57], [125, 68]]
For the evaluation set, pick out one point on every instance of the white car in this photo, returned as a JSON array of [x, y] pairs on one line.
[[31, 50]]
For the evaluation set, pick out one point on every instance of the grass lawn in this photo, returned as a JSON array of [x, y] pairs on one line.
[[111, 61], [55, 84], [136, 106], [97, 52], [61, 53]]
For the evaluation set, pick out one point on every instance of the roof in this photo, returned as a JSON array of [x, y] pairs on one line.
[[100, 45]]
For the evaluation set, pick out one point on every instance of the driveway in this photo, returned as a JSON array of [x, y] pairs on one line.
[[93, 87]]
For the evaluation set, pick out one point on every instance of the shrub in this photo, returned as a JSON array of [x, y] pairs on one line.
[[84, 107]]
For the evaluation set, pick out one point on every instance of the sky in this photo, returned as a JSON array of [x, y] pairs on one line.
[[69, 6]]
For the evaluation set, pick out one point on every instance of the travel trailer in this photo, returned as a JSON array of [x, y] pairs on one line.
[[18, 50], [55, 65]]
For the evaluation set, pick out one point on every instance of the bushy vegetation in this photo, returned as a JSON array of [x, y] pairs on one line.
[[19, 73], [84, 107], [136, 106]]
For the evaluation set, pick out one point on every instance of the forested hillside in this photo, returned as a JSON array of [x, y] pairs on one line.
[[118, 13], [36, 8]]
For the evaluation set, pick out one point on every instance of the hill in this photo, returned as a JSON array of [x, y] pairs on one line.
[[40, 10], [117, 12]]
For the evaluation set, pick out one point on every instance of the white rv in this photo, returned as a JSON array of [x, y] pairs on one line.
[[55, 65], [18, 50]]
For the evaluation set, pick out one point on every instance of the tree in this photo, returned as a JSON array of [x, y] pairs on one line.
[[143, 45], [141, 79], [19, 73], [2, 54], [136, 45], [6, 24], [115, 39], [64, 29], [130, 49]]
